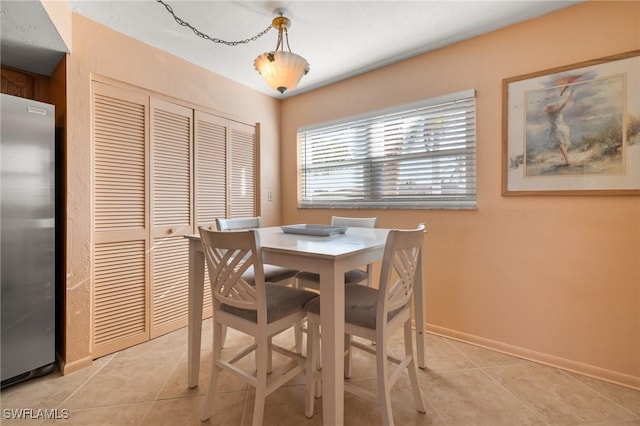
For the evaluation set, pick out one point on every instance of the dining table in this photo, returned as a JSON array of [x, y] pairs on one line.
[[330, 256]]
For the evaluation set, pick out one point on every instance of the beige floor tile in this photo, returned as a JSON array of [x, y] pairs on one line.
[[120, 415], [287, 340], [299, 380], [462, 385], [234, 339], [363, 365], [46, 392], [557, 397], [169, 343], [205, 340], [470, 397], [284, 407], [442, 356], [228, 411], [176, 384], [626, 397], [484, 357], [361, 411], [126, 380], [19, 416], [626, 423]]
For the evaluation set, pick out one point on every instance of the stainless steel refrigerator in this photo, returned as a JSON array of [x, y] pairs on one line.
[[27, 230]]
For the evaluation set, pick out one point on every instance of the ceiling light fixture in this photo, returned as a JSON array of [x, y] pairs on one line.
[[280, 69]]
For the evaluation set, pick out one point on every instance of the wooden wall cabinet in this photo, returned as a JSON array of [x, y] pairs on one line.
[[25, 85]]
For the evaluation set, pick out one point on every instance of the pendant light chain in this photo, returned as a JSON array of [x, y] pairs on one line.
[[281, 70], [212, 39]]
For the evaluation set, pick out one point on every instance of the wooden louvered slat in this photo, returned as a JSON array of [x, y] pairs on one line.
[[120, 294], [119, 152], [210, 168], [170, 289], [242, 171], [171, 127]]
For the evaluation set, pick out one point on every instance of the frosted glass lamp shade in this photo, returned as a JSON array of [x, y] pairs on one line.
[[281, 70]]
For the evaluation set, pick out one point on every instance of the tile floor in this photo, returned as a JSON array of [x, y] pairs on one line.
[[463, 385]]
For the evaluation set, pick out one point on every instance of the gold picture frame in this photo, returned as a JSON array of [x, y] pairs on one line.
[[573, 130]]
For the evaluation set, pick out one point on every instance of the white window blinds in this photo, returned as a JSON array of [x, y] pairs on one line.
[[414, 156]]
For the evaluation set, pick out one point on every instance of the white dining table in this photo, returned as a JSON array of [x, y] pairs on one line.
[[330, 257]]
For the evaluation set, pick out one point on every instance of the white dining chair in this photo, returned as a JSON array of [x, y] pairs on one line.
[[257, 308], [375, 315], [353, 276], [272, 273]]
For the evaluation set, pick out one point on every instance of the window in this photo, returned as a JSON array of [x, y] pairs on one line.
[[420, 155]]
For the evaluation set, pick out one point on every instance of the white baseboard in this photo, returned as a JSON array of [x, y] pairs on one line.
[[539, 357]]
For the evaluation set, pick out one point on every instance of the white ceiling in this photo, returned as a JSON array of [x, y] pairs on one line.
[[340, 39]]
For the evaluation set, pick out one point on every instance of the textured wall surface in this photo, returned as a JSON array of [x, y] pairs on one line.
[[551, 278]]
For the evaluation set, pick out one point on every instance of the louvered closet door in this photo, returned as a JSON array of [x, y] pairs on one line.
[[171, 214], [243, 174], [120, 225], [211, 168], [210, 178]]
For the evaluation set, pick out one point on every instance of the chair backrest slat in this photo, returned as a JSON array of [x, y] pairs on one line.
[[238, 223], [229, 255], [397, 275], [356, 222]]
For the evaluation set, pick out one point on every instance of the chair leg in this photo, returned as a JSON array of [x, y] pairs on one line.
[[216, 353], [384, 391], [411, 368], [297, 332], [311, 368], [318, 357], [223, 335], [263, 361], [269, 355], [347, 356]]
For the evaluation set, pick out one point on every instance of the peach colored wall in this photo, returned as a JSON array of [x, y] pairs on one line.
[[98, 50], [60, 14], [551, 278]]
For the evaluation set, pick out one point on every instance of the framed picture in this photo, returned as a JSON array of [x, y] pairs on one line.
[[573, 130]]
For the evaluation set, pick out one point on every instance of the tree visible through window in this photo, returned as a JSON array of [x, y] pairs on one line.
[[414, 156]]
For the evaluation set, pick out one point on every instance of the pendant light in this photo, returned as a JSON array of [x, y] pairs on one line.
[[282, 70]]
